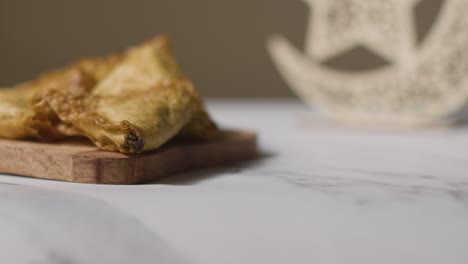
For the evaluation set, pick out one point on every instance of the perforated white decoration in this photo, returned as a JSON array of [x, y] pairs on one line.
[[423, 84]]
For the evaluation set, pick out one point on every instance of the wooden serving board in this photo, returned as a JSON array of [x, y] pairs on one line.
[[81, 162]]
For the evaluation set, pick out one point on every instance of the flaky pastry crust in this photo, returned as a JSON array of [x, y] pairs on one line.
[[129, 103]]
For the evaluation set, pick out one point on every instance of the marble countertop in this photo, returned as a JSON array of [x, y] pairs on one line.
[[319, 193]]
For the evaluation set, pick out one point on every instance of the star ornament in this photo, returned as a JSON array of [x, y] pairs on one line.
[[433, 90], [385, 27]]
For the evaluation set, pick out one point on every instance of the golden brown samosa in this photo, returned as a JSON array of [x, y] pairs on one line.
[[129, 103]]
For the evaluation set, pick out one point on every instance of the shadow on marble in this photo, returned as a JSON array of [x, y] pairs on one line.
[[40, 225], [190, 178]]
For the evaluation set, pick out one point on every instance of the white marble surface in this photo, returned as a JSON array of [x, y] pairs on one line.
[[319, 194]]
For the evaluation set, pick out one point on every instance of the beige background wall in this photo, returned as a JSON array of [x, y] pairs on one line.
[[220, 43]]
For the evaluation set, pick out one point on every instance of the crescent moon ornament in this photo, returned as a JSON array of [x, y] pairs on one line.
[[423, 84]]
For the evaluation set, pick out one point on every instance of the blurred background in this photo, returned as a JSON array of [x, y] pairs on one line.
[[220, 43]]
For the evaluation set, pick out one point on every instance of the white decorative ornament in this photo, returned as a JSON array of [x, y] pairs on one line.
[[425, 83]]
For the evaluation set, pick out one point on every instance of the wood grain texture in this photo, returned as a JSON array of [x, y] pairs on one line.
[[79, 162]]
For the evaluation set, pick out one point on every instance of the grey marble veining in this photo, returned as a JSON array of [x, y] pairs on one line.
[[320, 193], [40, 226]]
